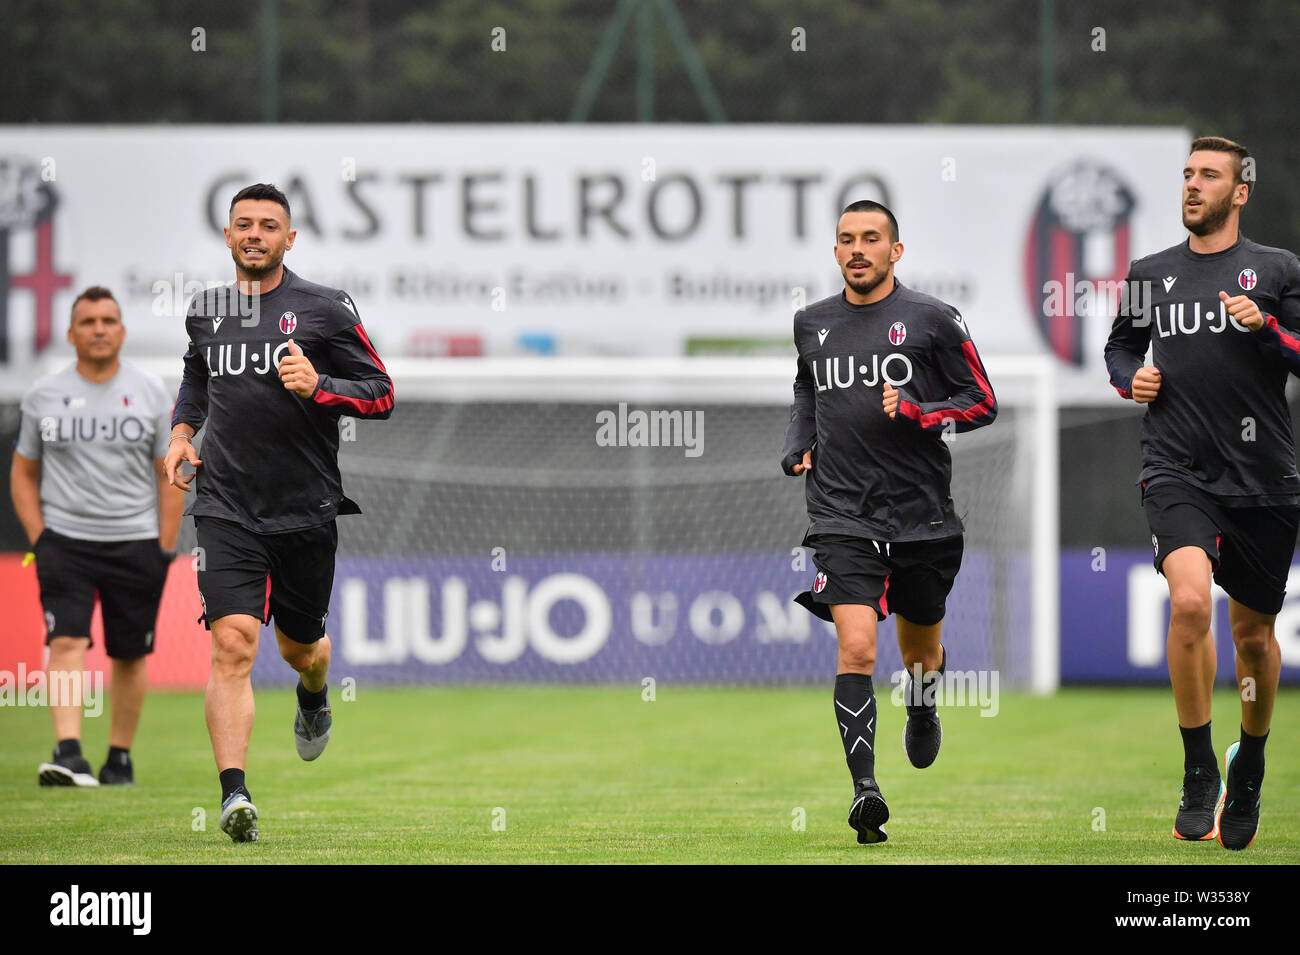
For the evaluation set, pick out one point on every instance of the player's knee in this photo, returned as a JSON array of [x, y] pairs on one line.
[[300, 656], [233, 649], [857, 654], [1189, 611], [1254, 641], [68, 650]]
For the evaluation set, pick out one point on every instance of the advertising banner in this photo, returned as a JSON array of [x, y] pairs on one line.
[[589, 240]]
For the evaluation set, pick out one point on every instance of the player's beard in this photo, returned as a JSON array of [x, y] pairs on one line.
[[866, 285], [256, 273], [1212, 218]]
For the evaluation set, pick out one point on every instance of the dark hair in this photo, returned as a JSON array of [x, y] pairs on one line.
[[262, 190], [1217, 144], [869, 205], [94, 293]]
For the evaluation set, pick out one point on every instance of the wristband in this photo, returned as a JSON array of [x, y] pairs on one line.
[[180, 435], [169, 554]]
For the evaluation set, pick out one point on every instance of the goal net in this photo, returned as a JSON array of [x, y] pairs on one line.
[[624, 520]]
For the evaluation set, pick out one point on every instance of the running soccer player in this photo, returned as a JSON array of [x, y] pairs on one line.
[[884, 373], [89, 487], [1219, 482], [273, 361]]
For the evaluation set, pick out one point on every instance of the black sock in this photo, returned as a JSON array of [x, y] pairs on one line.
[[309, 700], [67, 748], [1249, 761], [1198, 750], [118, 755], [855, 712], [232, 780]]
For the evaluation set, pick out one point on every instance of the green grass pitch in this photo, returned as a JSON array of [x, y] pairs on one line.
[[510, 775]]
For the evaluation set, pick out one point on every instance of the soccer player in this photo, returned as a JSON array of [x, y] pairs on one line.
[[89, 488], [884, 373], [273, 361], [1219, 482]]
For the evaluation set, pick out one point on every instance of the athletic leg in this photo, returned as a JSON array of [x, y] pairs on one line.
[[129, 680], [1259, 668], [1192, 661], [855, 712], [919, 644], [228, 703], [311, 660], [66, 668], [923, 658], [1190, 645], [64, 681]]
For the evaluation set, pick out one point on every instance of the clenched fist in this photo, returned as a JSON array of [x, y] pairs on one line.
[[1146, 384], [890, 399], [1243, 311], [297, 373]]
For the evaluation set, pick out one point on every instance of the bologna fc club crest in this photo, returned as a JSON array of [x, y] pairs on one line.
[[897, 333], [1078, 238], [820, 583], [1246, 279], [27, 205], [288, 322]]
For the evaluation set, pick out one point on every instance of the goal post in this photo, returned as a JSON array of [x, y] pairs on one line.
[[590, 519]]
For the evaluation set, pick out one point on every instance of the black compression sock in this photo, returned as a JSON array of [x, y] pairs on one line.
[[309, 700], [68, 748], [118, 756], [1249, 761], [855, 712], [232, 780], [1197, 748]]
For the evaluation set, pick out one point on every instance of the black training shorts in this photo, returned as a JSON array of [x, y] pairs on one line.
[[128, 577], [287, 577], [1250, 548], [909, 578]]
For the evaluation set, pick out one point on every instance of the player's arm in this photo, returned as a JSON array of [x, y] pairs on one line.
[[25, 471], [188, 415], [1278, 335], [1126, 348], [801, 434], [25, 489], [969, 402], [360, 385]]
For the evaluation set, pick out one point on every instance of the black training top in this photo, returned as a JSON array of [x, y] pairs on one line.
[[872, 476], [1220, 421], [270, 458]]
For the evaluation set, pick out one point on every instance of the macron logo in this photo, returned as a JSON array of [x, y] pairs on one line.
[[133, 909], [216, 323], [821, 336], [1169, 281]]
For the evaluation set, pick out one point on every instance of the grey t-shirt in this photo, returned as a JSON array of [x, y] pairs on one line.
[[97, 445]]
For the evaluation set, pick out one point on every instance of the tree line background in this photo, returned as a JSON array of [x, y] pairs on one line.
[[1214, 66]]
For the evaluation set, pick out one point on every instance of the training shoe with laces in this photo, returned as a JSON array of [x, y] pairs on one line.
[[1198, 808], [1238, 818], [311, 731], [923, 734], [66, 771], [868, 812], [117, 772], [239, 817]]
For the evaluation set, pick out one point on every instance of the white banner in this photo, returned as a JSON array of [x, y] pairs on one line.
[[588, 240]]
